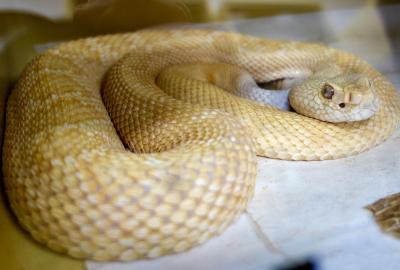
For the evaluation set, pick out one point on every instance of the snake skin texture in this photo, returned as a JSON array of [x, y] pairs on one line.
[[100, 163]]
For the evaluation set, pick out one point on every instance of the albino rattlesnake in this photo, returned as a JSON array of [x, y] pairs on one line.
[[74, 186]]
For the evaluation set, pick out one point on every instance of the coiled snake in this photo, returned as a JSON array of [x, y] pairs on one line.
[[191, 164]]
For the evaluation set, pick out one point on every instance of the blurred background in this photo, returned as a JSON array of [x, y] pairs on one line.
[[369, 28], [30, 26]]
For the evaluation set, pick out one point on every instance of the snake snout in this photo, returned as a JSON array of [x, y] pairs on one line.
[[359, 92], [362, 100]]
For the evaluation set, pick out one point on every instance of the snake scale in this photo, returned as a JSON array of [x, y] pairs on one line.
[[100, 163]]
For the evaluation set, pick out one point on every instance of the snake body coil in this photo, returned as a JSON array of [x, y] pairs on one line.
[[76, 108]]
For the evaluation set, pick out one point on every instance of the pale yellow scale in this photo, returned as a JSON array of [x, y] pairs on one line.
[[100, 163]]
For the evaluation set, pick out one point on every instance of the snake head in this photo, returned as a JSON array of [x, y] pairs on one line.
[[343, 98]]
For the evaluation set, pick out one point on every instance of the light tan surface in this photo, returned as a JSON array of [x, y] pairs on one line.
[[70, 180]]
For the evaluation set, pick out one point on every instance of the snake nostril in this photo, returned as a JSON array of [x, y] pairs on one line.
[[342, 105]]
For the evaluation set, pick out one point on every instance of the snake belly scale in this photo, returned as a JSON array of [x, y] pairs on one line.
[[100, 163]]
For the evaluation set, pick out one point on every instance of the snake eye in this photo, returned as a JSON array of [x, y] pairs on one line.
[[342, 105], [328, 91]]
